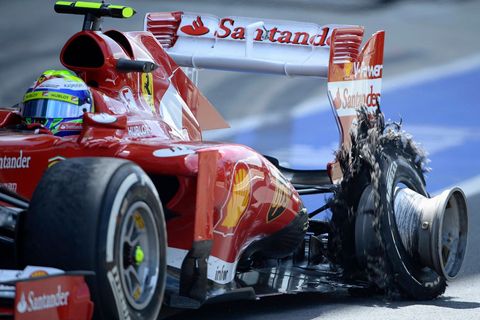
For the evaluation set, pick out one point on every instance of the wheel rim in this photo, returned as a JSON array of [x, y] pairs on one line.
[[139, 255], [423, 276]]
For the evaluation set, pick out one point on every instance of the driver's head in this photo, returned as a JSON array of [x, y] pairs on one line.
[[57, 100]]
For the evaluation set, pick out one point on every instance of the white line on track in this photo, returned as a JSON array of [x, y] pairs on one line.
[[470, 187], [321, 104]]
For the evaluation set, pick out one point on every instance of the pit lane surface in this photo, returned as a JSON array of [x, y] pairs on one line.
[[439, 106]]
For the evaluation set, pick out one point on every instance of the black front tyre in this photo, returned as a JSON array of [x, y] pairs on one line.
[[103, 215]]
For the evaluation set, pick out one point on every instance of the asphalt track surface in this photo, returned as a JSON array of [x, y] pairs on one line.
[[431, 81]]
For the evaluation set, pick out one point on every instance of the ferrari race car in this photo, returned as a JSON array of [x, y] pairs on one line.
[[129, 191]]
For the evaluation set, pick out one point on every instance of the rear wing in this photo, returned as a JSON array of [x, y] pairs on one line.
[[280, 47], [244, 44]]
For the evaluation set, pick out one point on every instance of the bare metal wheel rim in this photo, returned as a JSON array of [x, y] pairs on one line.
[[433, 230], [139, 255]]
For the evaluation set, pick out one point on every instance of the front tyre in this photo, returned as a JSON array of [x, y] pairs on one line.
[[104, 215]]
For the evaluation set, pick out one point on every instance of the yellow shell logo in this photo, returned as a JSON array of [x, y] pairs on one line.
[[239, 199], [38, 274], [53, 161], [348, 69]]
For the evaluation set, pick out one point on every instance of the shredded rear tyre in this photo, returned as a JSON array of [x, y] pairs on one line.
[[379, 160]]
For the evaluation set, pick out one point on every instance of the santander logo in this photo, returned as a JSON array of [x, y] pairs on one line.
[[196, 28], [347, 99], [229, 28]]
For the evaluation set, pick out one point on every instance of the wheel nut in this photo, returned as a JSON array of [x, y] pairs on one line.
[[139, 255]]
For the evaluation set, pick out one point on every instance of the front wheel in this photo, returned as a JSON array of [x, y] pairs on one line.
[[103, 215]]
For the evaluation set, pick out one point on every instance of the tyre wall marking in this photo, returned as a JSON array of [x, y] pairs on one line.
[[122, 308], [126, 184], [113, 275]]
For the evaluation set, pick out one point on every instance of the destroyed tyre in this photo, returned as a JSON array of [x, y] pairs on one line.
[[379, 245], [412, 279], [102, 215], [364, 222]]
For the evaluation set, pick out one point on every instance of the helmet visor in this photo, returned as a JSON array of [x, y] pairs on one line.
[[43, 108]]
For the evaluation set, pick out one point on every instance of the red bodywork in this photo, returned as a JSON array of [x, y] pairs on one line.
[[62, 296], [139, 117]]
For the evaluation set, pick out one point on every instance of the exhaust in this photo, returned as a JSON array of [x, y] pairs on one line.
[[433, 230]]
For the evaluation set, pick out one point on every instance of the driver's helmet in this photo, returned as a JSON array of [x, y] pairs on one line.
[[57, 101]]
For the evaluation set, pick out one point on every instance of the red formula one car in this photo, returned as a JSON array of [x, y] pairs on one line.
[[104, 169]]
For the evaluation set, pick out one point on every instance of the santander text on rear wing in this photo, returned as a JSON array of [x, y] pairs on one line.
[[280, 47]]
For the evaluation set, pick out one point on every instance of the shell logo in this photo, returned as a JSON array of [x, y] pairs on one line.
[[348, 69], [38, 274], [239, 198], [53, 161]]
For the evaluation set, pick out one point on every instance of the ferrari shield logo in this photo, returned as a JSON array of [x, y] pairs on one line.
[[147, 89]]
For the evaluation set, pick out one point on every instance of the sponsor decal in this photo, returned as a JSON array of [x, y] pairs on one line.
[[348, 96], [53, 161], [355, 71], [147, 89], [31, 302], [74, 85], [347, 68], [238, 200], [38, 274], [366, 71], [42, 79], [20, 162], [173, 151], [12, 186], [281, 196], [61, 83], [221, 274], [126, 95], [280, 201], [35, 95], [103, 118], [139, 130], [219, 270], [196, 28], [70, 126], [229, 29]]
